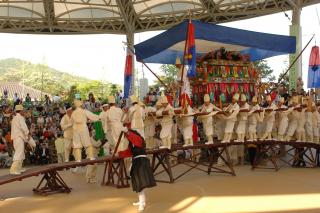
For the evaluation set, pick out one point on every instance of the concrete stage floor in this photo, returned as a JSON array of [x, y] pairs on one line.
[[288, 190]]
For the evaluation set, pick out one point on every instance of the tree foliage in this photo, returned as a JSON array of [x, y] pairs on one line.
[[52, 81], [265, 71], [169, 75]]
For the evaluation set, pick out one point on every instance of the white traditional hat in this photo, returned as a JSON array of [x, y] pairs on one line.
[[236, 97], [19, 107], [111, 99], [243, 98], [158, 103], [254, 99], [78, 103], [105, 105], [134, 99], [268, 98], [206, 98], [164, 100], [141, 104]]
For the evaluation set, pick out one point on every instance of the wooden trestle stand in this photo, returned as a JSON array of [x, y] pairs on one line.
[[161, 161], [51, 183], [115, 173]]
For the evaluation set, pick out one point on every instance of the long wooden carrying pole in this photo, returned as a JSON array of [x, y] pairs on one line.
[[295, 60]]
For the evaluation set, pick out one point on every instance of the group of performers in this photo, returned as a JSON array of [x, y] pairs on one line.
[[77, 136], [239, 121]]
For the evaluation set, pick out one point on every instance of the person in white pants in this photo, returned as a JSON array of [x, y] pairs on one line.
[[104, 121], [242, 119], [294, 119], [20, 135], [283, 121], [166, 122], [207, 120], [233, 110], [315, 123], [66, 126], [253, 118], [136, 116], [114, 124], [185, 122], [92, 169], [269, 119], [308, 125], [150, 126], [241, 127], [81, 136]]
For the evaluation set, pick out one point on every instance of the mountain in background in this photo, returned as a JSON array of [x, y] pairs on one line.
[[49, 80]]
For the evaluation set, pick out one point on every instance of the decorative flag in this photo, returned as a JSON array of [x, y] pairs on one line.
[[185, 91], [191, 51], [128, 75], [314, 68]]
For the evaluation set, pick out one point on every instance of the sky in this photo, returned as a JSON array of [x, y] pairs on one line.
[[102, 56]]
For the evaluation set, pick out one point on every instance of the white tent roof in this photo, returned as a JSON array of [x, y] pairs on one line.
[[116, 16]]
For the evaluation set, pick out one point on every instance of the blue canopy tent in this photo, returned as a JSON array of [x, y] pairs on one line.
[[167, 46]]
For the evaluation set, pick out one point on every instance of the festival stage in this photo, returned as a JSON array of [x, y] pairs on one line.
[[289, 190]]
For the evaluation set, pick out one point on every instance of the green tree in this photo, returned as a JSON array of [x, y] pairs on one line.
[[71, 94], [54, 81], [169, 75], [113, 89], [265, 71]]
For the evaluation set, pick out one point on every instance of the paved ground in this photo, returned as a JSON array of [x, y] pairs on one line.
[[288, 190]]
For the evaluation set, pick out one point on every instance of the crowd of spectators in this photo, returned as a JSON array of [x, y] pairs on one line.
[[43, 119]]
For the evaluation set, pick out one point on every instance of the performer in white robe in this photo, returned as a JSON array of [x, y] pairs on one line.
[[269, 119], [186, 124], [242, 119], [253, 118], [315, 124], [66, 126], [136, 116], [294, 119], [283, 119], [81, 137], [301, 132], [233, 110], [309, 123], [166, 122], [115, 125], [104, 120], [150, 127], [92, 169], [19, 135], [241, 127], [207, 120]]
